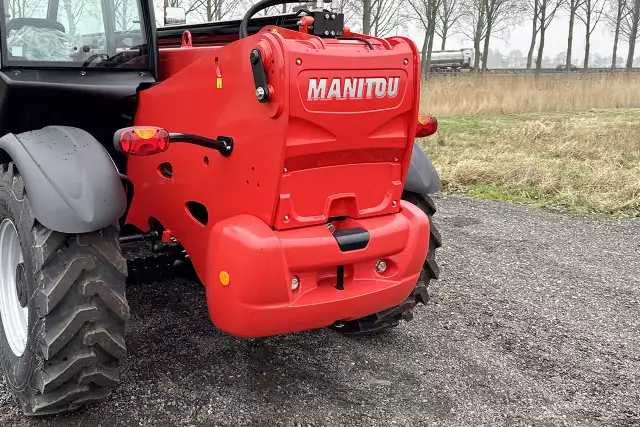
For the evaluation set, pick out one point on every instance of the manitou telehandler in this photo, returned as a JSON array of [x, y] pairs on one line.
[[272, 156]]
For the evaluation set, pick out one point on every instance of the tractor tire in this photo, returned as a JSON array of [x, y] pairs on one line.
[[62, 307], [391, 317]]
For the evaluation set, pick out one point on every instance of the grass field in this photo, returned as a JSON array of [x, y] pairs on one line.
[[585, 161], [471, 94]]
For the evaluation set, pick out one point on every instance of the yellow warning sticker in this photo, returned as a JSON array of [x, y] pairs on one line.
[[219, 83], [274, 30]]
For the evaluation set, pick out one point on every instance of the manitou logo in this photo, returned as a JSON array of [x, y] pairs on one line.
[[356, 88]]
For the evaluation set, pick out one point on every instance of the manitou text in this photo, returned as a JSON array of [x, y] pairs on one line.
[[353, 88]]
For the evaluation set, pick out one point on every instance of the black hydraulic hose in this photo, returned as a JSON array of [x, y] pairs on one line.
[[257, 8], [365, 41]]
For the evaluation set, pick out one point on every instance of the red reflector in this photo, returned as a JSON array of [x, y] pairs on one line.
[[426, 126], [143, 140]]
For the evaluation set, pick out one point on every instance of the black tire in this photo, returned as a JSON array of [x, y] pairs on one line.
[[76, 310], [391, 317]]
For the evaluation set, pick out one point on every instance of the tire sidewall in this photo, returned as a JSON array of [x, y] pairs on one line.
[[19, 371]]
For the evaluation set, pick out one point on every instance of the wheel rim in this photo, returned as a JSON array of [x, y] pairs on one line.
[[14, 316]]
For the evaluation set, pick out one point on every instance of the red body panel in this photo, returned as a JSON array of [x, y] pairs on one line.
[[297, 161], [258, 300]]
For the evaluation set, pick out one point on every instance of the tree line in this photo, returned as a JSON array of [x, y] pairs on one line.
[[479, 21]]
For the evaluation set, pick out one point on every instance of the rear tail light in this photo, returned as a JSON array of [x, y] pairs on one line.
[[141, 140], [427, 125]]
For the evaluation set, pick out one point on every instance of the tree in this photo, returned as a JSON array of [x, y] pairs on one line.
[[560, 58], [379, 17], [214, 10], [516, 59], [615, 14], [629, 29], [533, 6], [427, 13], [473, 27], [590, 14], [546, 12], [498, 14], [448, 16], [126, 12], [25, 8], [572, 7], [73, 11]]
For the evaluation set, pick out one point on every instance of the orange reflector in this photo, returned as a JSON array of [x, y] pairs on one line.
[[224, 278], [427, 125], [142, 140]]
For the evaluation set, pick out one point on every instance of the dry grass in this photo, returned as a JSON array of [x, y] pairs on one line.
[[472, 94], [582, 161]]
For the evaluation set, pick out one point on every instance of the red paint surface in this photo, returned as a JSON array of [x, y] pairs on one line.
[[296, 163]]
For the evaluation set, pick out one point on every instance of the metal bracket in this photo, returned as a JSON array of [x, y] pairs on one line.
[[327, 24], [259, 76]]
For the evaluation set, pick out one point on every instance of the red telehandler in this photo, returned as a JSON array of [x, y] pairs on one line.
[[272, 156]]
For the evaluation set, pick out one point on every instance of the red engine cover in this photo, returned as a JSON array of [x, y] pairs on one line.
[[334, 139]]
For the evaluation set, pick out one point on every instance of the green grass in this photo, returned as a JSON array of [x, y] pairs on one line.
[[585, 161]]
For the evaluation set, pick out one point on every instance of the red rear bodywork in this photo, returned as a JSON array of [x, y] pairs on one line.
[[332, 143]]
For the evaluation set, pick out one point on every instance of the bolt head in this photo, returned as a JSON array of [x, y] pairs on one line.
[[395, 159], [405, 62], [284, 170], [295, 282], [326, 33], [298, 61], [333, 16], [394, 203], [286, 217], [333, 33], [326, 16], [381, 266], [254, 56], [260, 93]]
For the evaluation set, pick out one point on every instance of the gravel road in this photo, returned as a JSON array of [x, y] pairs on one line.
[[535, 321]]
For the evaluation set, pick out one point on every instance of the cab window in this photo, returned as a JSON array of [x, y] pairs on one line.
[[74, 33]]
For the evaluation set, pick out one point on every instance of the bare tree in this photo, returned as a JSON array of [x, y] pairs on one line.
[[629, 29], [498, 17], [473, 27], [215, 10], [572, 6], [448, 16], [616, 12], [590, 14], [379, 17], [533, 6], [426, 12], [73, 12], [25, 8], [546, 12], [126, 12]]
